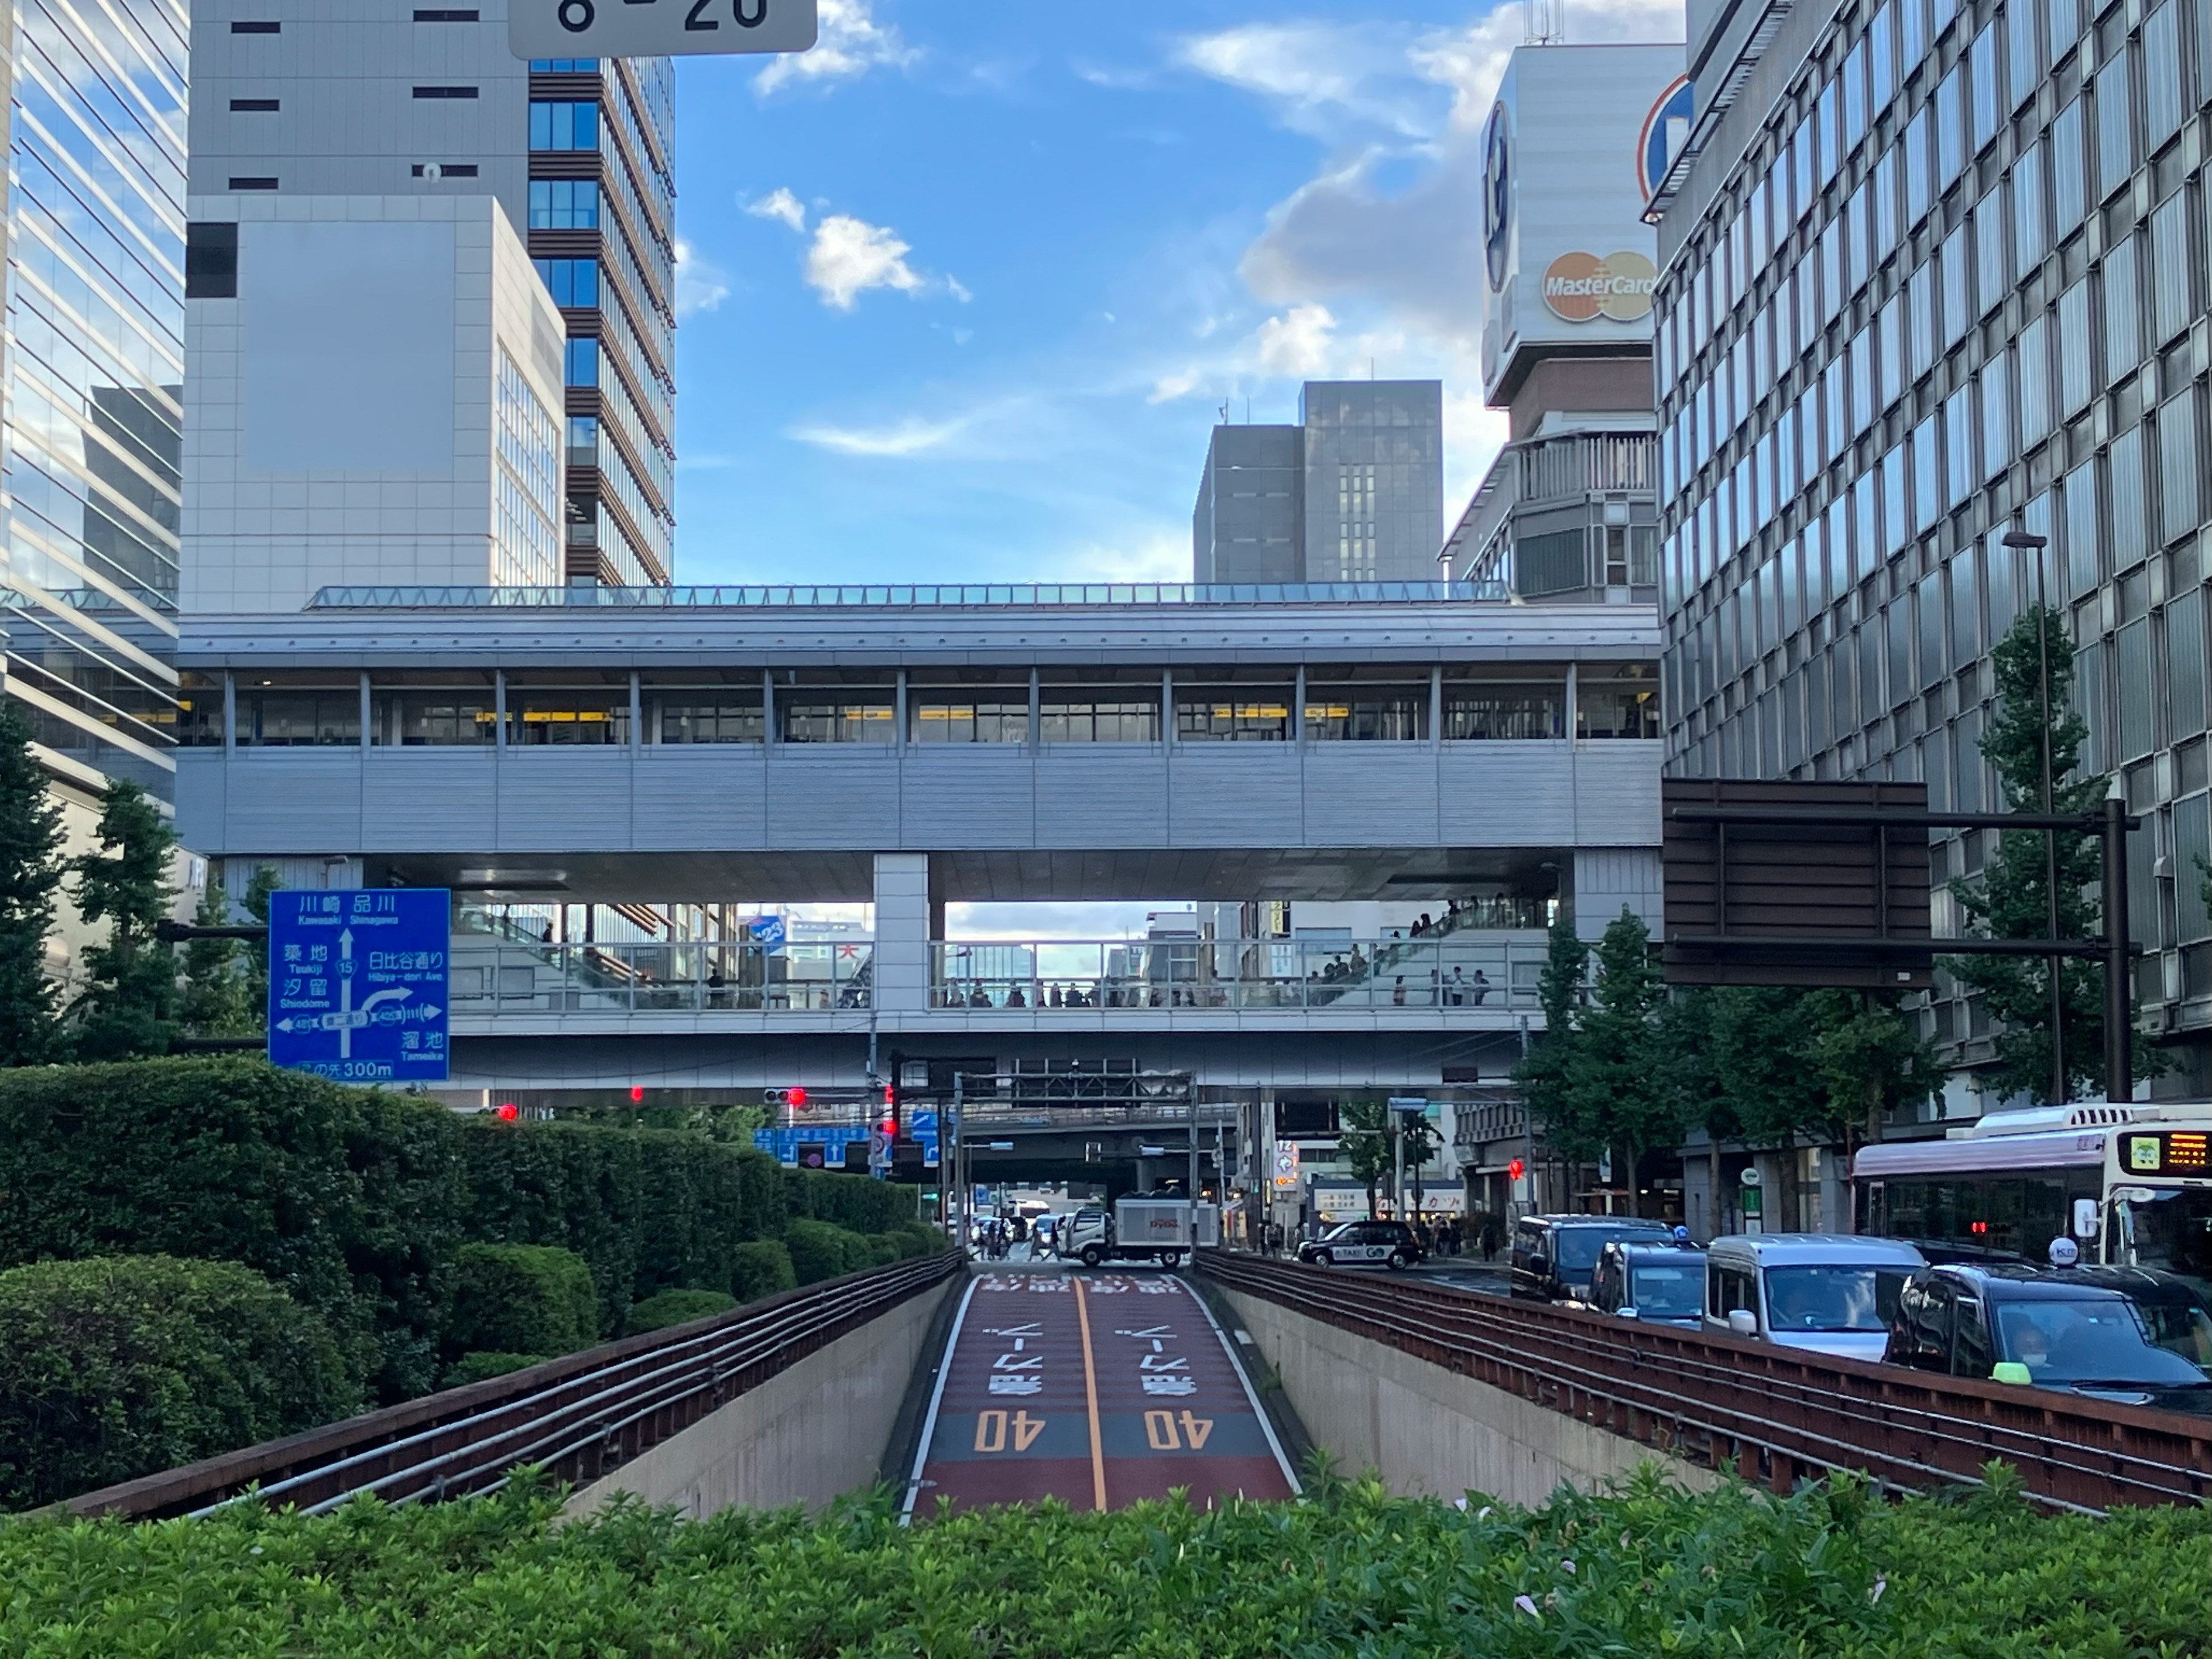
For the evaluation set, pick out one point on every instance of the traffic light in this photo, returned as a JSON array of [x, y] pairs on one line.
[[795, 1097], [890, 1112], [637, 1094], [1516, 1169], [508, 1111]]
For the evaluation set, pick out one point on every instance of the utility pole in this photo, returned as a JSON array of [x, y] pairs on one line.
[[1190, 1191], [1529, 1134], [959, 1170], [1397, 1162]]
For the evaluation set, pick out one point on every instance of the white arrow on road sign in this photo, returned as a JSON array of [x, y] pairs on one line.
[[657, 28]]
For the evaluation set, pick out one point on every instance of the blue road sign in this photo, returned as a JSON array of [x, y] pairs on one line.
[[768, 932], [357, 983]]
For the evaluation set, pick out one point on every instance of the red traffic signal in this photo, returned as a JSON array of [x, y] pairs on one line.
[[1516, 1169], [636, 1093], [794, 1096], [508, 1111]]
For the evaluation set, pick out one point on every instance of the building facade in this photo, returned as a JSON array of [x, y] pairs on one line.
[[1931, 270], [1354, 492], [359, 102]]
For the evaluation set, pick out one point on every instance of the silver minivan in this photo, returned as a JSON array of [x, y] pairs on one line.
[[1828, 1292]]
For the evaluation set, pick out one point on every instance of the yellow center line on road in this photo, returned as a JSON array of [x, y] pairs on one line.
[[1091, 1399]]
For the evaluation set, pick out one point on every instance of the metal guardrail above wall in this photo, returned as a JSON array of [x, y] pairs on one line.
[[1772, 1414], [579, 1416]]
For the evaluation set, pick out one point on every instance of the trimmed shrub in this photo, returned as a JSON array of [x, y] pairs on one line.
[[763, 1267], [114, 1367], [521, 1298], [859, 1204], [480, 1367], [820, 1251], [650, 1210], [658, 1313], [347, 1198]]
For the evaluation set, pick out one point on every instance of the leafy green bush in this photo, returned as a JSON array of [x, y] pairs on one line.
[[856, 1203], [521, 1298], [349, 1197], [658, 1313], [119, 1366], [480, 1367], [820, 1251], [1731, 1574], [761, 1267]]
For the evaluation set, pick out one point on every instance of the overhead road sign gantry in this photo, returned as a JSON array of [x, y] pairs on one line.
[[542, 29], [357, 982]]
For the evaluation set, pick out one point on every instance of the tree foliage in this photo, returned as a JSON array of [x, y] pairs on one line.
[[213, 995], [128, 1006], [30, 875], [2011, 897]]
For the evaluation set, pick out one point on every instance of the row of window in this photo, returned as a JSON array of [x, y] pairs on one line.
[[296, 709]]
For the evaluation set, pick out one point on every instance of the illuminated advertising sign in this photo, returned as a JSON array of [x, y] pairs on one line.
[[1580, 288]]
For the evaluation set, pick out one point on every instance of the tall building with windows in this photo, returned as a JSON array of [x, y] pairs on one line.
[[93, 364], [1354, 492], [1932, 269], [418, 110]]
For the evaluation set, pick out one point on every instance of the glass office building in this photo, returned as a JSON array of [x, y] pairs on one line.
[[95, 365], [1931, 270]]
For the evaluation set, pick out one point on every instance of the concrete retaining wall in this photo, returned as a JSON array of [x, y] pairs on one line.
[[1426, 1430], [807, 1435]]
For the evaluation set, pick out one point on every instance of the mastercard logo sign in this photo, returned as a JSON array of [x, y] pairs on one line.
[[1580, 288]]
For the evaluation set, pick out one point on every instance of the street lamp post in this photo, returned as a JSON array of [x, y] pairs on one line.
[[2028, 541]]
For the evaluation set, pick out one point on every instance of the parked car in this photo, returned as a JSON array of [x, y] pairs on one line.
[[2070, 1329], [1828, 1292], [1554, 1255], [1658, 1284], [1390, 1243]]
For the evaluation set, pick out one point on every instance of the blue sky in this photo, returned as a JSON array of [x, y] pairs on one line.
[[963, 288]]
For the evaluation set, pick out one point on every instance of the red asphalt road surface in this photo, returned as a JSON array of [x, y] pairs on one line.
[[1097, 1388]]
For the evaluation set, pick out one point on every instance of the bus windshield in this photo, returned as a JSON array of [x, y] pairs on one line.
[[2171, 1230]]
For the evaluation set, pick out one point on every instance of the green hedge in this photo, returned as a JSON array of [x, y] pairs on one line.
[[819, 1251], [859, 1204], [114, 1367], [356, 1200], [763, 1267], [1731, 1574], [482, 1367], [658, 1313], [521, 1298]]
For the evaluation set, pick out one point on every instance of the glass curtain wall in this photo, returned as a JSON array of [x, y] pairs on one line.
[[94, 363]]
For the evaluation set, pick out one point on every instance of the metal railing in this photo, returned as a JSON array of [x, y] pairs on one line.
[[513, 978], [1769, 1413], [1460, 971], [1599, 462], [963, 595], [577, 1416]]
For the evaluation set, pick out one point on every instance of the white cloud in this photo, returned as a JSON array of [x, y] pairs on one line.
[[850, 256], [851, 43], [701, 285], [1152, 554], [780, 205], [1297, 343], [957, 289], [908, 437], [1321, 78]]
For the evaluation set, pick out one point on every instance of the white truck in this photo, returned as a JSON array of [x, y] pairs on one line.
[[1139, 1230]]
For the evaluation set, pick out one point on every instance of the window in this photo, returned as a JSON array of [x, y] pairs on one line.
[[1365, 705], [253, 106], [564, 205], [986, 709], [445, 14], [1557, 562], [1617, 701], [825, 707], [2083, 539], [2162, 58], [2123, 326], [1501, 702], [1355, 523], [2030, 240], [2023, 56], [576, 708], [2125, 499], [2131, 657], [2034, 383], [1098, 706], [210, 260], [2076, 364], [686, 705], [563, 125], [446, 92], [199, 710], [2170, 240], [299, 710], [2177, 464], [259, 181], [2069, 191], [570, 282], [1983, 59], [1232, 705], [581, 362], [527, 545], [257, 26], [2115, 127], [438, 708]]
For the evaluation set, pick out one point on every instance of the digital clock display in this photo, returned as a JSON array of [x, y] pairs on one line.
[[2168, 1153]]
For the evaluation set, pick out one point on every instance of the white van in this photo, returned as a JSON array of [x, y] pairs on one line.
[[1828, 1292]]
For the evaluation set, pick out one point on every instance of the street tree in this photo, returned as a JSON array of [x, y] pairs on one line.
[[30, 875], [213, 997], [1544, 1073], [2012, 896], [129, 1003], [259, 889], [1619, 1100], [1364, 1143]]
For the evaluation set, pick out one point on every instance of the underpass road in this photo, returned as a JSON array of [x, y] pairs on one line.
[[1099, 1388]]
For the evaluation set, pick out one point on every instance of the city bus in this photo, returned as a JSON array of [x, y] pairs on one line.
[[2131, 1184]]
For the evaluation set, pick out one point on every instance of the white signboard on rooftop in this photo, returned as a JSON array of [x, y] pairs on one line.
[[543, 30]]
